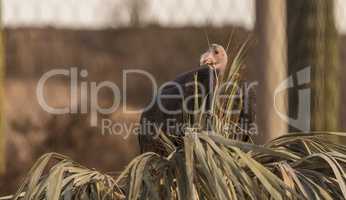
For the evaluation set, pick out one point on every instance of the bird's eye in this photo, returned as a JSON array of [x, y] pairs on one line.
[[216, 52]]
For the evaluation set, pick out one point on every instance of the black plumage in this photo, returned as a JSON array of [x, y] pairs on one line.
[[156, 119]]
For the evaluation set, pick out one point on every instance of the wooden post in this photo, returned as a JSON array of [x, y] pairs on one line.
[[272, 61], [313, 41], [2, 133]]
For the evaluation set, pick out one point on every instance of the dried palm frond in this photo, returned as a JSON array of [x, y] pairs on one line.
[[295, 166]]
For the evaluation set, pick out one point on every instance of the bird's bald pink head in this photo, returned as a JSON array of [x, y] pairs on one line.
[[216, 57]]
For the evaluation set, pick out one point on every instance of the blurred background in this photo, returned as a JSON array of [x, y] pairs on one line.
[[165, 38]]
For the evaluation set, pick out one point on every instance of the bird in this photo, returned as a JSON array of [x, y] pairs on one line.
[[216, 57], [157, 118]]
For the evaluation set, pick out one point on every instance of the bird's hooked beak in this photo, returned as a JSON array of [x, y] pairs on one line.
[[208, 59]]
